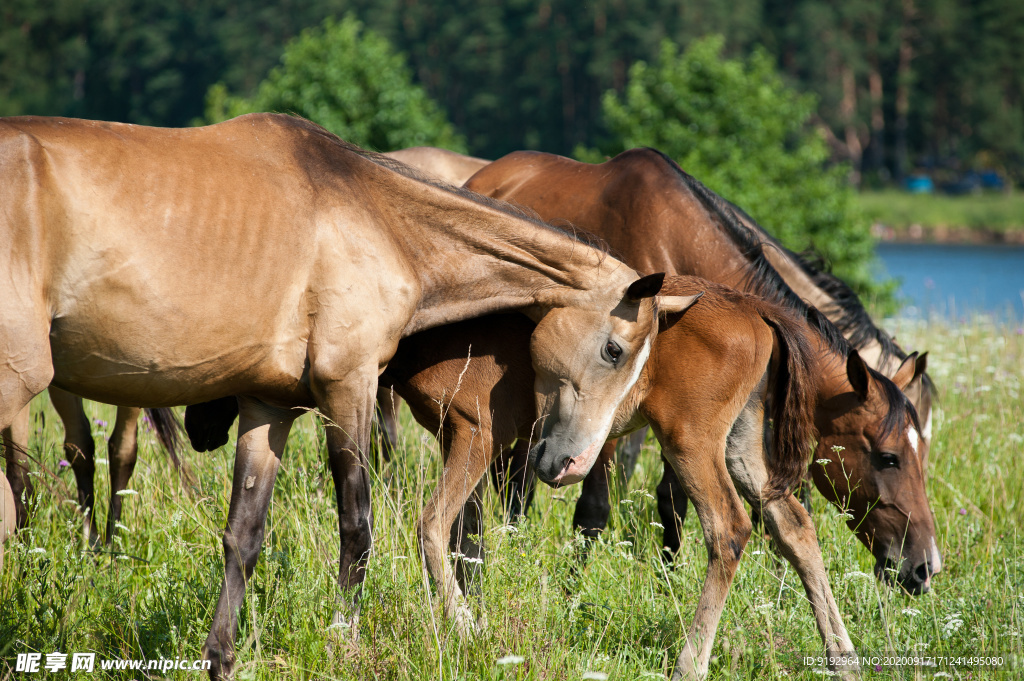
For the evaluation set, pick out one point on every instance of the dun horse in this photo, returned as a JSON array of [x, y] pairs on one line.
[[80, 450], [659, 218], [265, 258], [730, 392]]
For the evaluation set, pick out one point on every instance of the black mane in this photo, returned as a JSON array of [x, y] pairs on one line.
[[762, 279], [847, 313]]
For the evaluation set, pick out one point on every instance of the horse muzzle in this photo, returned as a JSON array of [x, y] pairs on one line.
[[557, 468]]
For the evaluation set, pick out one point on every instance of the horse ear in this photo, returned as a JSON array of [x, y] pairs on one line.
[[921, 365], [907, 371], [673, 304], [645, 287], [857, 374]]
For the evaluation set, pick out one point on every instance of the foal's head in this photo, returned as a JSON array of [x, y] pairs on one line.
[[587, 358], [872, 439]]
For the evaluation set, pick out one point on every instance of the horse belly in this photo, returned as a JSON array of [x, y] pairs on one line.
[[133, 343]]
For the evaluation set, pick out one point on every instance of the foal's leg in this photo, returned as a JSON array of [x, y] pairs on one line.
[[465, 465], [262, 433], [80, 449], [793, 531], [15, 445], [593, 507], [698, 460], [672, 506], [122, 453]]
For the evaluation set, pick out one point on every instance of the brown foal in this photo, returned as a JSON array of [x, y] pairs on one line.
[[730, 392]]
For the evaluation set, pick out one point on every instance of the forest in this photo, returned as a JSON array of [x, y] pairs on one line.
[[899, 84]]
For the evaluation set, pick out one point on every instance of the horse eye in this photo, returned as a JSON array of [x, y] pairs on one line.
[[890, 461], [612, 352]]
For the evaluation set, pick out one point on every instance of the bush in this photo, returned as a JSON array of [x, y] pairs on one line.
[[734, 125], [352, 82]]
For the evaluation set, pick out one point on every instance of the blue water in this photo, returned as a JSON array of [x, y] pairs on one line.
[[956, 280]]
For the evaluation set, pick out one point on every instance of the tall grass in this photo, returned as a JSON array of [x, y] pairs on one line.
[[623, 614]]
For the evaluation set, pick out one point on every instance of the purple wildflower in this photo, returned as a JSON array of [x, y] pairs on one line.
[[63, 463], [963, 511]]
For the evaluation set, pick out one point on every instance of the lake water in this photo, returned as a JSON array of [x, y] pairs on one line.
[[956, 280]]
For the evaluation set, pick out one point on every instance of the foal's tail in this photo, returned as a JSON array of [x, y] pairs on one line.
[[169, 431], [791, 402]]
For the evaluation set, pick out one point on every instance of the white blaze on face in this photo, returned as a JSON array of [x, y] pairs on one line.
[[912, 436], [936, 557]]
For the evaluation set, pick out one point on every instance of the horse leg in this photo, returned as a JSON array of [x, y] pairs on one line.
[[593, 507], [514, 479], [15, 445], [387, 421], [465, 464], [122, 453], [80, 450], [672, 506], [793, 531], [629, 453], [349, 406], [262, 433], [791, 528], [466, 540], [699, 463]]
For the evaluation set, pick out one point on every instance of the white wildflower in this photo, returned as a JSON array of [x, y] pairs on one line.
[[127, 493], [510, 659], [39, 550], [911, 611], [595, 676], [658, 525]]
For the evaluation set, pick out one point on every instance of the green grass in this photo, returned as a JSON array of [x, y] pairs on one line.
[[623, 614], [995, 212]]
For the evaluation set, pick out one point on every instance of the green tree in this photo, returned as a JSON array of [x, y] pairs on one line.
[[352, 82], [740, 130]]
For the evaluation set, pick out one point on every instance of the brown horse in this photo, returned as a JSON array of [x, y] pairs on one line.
[[732, 392], [80, 450], [816, 287], [265, 258], [660, 218]]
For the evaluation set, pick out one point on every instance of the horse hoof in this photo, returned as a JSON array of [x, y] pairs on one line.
[[463, 621]]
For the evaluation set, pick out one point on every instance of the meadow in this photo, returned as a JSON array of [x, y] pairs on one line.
[[994, 212], [619, 615]]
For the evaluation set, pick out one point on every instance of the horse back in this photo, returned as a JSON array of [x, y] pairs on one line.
[[200, 255]]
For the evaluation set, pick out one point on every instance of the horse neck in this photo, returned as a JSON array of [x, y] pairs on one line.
[[474, 259]]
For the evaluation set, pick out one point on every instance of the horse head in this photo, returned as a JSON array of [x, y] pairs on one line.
[[587, 357], [871, 439]]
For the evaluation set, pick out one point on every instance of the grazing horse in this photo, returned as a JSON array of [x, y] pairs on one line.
[[265, 258], [80, 450], [735, 389], [660, 218], [816, 287]]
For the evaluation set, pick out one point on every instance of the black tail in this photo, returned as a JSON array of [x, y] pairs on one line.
[[792, 407], [169, 431]]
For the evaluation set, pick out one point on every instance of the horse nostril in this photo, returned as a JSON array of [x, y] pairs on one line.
[[921, 572]]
